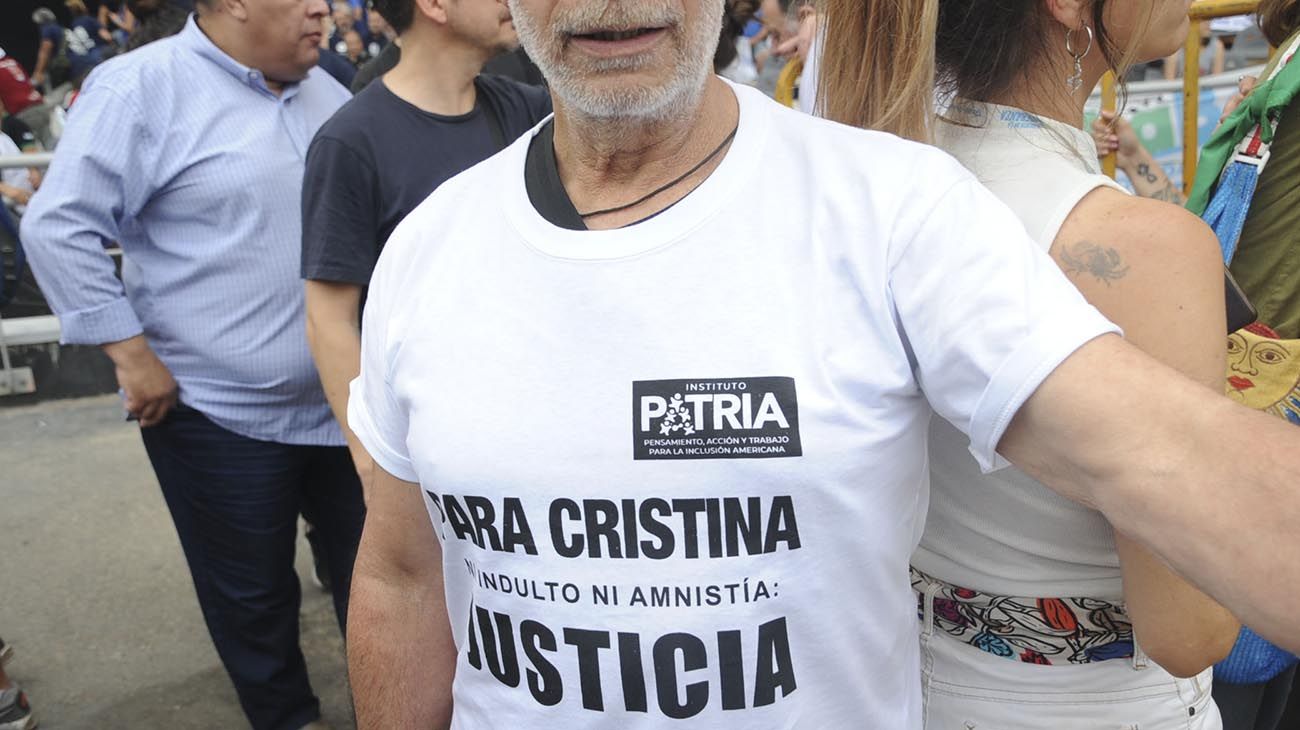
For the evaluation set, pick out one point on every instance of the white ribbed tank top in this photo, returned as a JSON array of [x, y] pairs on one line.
[[1005, 533]]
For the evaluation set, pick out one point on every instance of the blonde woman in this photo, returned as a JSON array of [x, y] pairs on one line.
[[1034, 613]]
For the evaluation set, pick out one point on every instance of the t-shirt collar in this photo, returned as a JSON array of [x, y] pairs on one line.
[[716, 195], [194, 38], [1011, 120]]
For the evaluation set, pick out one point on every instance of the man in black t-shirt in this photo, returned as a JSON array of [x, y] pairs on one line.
[[431, 117]]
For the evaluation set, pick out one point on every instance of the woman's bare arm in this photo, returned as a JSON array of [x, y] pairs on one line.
[[1155, 270]]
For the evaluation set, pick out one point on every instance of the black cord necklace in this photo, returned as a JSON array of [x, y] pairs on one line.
[[674, 183]]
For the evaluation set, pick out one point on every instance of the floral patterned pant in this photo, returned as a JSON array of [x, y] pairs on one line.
[[1032, 630]]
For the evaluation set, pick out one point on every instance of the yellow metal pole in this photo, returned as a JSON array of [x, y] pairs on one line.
[[1206, 9], [1108, 104], [1200, 11], [1191, 103]]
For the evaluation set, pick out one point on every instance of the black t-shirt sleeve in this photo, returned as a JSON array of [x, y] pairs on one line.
[[340, 214]]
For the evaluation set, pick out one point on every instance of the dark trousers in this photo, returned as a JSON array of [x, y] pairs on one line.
[[235, 502], [1254, 706]]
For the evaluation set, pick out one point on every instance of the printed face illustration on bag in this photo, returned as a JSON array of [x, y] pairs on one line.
[[1264, 373]]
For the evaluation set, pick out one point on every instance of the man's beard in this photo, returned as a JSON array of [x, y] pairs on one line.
[[693, 50]]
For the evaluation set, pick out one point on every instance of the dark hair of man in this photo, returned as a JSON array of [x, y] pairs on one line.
[[155, 20], [399, 13]]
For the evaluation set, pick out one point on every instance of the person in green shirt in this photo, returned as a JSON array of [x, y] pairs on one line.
[[1266, 265]]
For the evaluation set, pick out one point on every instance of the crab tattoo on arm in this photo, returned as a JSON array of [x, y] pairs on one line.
[[1086, 257]]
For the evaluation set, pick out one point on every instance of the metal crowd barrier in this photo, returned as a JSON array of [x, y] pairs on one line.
[[25, 330], [35, 159], [1201, 11]]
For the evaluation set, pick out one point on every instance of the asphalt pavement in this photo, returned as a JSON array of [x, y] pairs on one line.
[[94, 593]]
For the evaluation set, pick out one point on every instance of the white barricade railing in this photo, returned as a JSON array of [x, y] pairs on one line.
[[35, 159], [1141, 90], [25, 330]]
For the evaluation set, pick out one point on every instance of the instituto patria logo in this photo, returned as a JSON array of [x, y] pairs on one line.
[[678, 418], [715, 418]]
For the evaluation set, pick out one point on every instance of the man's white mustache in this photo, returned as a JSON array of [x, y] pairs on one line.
[[615, 16]]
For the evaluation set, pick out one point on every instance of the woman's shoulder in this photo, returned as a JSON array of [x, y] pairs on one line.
[[1142, 229]]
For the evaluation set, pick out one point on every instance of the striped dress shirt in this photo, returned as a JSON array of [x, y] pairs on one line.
[[187, 159]]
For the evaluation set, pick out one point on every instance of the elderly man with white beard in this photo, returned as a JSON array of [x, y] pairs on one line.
[[651, 438]]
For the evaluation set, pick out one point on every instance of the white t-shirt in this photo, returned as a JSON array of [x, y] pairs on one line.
[[677, 469]]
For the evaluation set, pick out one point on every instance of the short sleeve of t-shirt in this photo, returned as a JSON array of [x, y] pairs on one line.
[[339, 214], [53, 34], [964, 286], [374, 414]]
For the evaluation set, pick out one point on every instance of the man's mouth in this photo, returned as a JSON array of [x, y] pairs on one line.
[[1239, 383], [614, 36], [613, 43]]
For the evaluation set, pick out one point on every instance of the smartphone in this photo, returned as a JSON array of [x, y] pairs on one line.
[[1240, 311]]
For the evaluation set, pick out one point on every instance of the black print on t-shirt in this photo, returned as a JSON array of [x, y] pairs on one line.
[[715, 418], [656, 528], [687, 672], [739, 658]]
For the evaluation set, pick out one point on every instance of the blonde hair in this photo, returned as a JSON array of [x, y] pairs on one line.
[[877, 65]]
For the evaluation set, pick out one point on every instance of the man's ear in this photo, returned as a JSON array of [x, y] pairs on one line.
[[237, 9], [435, 10]]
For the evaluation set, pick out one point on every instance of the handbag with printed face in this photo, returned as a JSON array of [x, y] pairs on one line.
[[1264, 372]]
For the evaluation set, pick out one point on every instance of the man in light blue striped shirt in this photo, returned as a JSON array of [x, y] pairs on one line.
[[190, 153]]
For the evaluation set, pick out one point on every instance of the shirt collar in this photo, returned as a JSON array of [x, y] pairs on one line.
[[1023, 124], [195, 39]]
